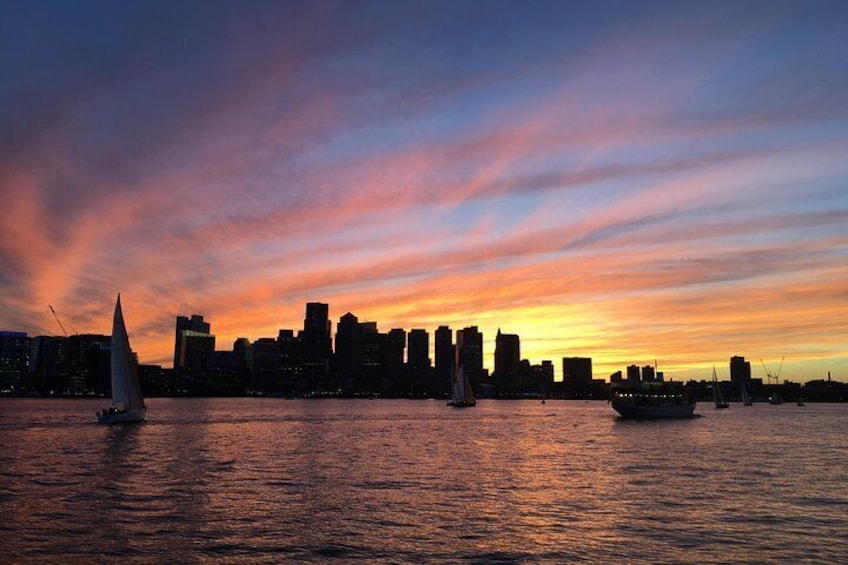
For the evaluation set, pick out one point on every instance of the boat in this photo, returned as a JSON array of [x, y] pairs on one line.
[[462, 395], [719, 400], [775, 399], [127, 400], [652, 401]]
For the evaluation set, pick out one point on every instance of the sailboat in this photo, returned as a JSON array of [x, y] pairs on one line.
[[717, 397], [463, 395], [746, 399], [127, 401]]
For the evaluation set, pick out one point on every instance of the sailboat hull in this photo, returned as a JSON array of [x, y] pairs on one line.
[[125, 417]]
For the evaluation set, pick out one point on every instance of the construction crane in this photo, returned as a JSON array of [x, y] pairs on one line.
[[769, 374], [58, 321]]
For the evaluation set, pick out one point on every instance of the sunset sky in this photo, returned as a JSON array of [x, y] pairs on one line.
[[627, 181]]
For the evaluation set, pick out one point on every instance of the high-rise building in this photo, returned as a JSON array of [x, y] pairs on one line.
[[184, 323], [648, 373], [740, 371], [347, 359], [394, 355], [577, 376], [469, 345], [266, 365], [507, 356], [418, 354], [317, 346], [444, 360], [633, 374], [14, 360]]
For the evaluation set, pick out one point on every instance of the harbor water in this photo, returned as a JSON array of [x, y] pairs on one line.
[[266, 480]]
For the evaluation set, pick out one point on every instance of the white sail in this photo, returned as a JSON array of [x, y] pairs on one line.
[[126, 390], [462, 395]]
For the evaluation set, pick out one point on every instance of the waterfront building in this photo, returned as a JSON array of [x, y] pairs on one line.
[[194, 324], [507, 358], [445, 357], [14, 361], [577, 376], [469, 345], [633, 374]]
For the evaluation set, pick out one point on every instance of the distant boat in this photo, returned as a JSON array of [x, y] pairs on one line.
[[127, 401], [463, 395], [652, 401], [775, 398], [717, 396]]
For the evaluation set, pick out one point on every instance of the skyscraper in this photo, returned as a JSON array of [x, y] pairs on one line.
[[469, 345], [184, 323], [507, 356], [577, 376], [444, 359], [347, 359]]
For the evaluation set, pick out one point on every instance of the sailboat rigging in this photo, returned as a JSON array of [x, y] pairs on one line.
[[127, 400]]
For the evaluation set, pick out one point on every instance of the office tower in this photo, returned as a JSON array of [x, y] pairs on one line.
[[184, 323], [616, 378], [507, 356], [444, 360], [577, 376], [266, 365], [418, 355], [316, 341], [394, 355], [648, 374], [469, 345], [633, 373], [543, 377], [89, 366], [48, 368], [290, 364], [195, 350], [347, 358], [14, 361], [740, 371]]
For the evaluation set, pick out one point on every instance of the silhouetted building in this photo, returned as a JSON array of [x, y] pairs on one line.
[[347, 360], [444, 360], [266, 365], [577, 377], [507, 358], [740, 371], [543, 375], [394, 357], [89, 364], [14, 361], [184, 323], [48, 368], [316, 345], [469, 345], [418, 359], [225, 374], [633, 374], [648, 374], [616, 378], [290, 365], [374, 346]]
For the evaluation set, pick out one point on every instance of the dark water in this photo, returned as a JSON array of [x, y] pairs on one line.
[[270, 481]]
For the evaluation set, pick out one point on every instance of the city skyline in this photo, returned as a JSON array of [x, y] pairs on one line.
[[630, 183]]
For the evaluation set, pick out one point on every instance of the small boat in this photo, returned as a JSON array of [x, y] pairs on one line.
[[127, 400], [775, 399], [652, 401], [719, 400], [463, 395]]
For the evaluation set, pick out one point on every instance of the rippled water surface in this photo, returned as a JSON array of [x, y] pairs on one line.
[[393, 481]]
